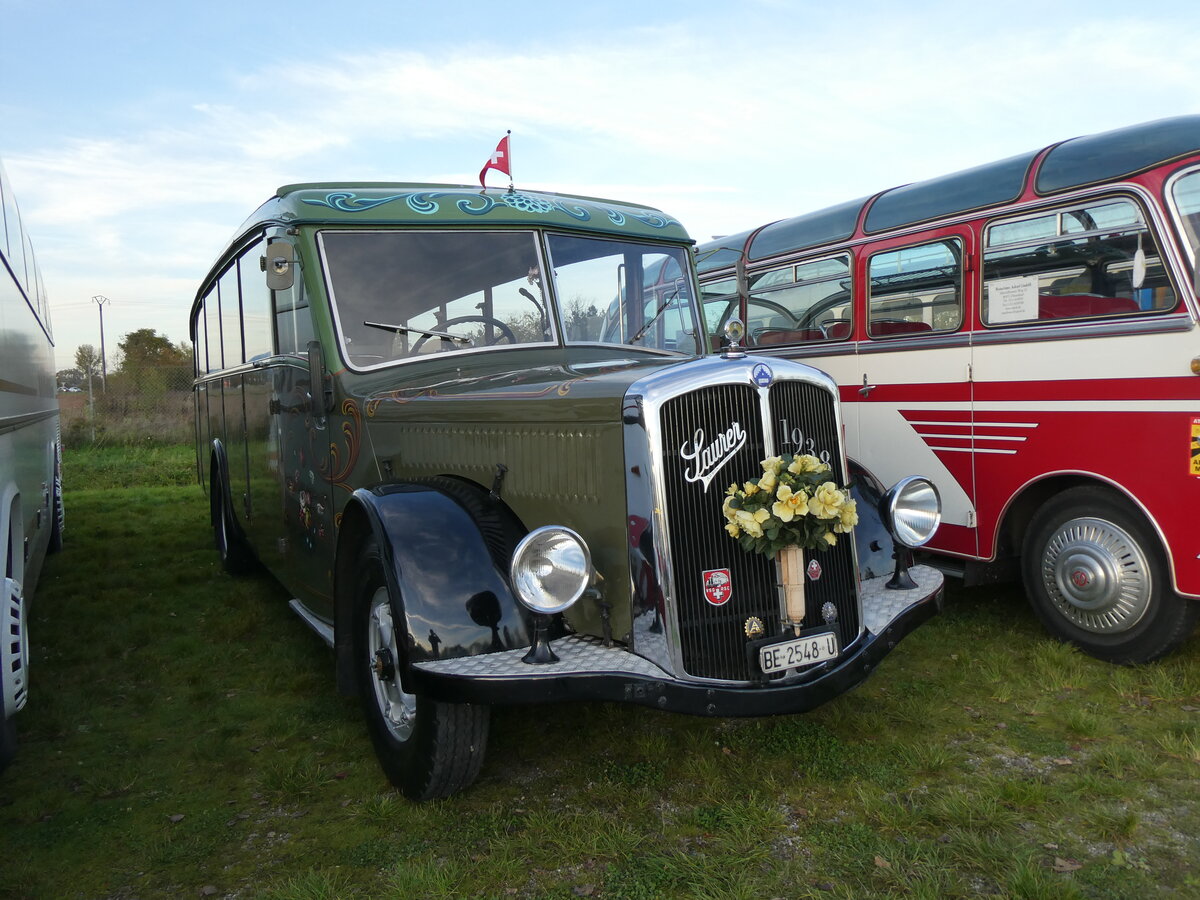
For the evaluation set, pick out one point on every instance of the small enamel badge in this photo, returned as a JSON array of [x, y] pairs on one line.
[[814, 570], [718, 587]]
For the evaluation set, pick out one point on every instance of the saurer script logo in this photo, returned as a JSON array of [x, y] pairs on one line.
[[706, 457]]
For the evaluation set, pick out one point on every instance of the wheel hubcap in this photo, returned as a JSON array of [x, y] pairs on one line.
[[1096, 576], [397, 708]]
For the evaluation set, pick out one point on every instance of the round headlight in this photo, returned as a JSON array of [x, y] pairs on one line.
[[551, 569], [912, 511]]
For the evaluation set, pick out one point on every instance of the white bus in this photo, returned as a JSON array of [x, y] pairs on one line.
[[1025, 332], [31, 512]]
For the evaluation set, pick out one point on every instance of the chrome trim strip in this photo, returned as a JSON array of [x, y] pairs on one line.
[[1107, 328], [323, 629], [13, 423]]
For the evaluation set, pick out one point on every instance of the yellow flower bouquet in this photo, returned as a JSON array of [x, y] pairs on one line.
[[794, 503]]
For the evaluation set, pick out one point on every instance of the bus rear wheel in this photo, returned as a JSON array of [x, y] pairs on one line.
[[1097, 577], [427, 748], [236, 556]]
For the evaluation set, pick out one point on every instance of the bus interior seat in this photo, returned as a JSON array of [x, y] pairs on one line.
[[1080, 306], [836, 329], [887, 327]]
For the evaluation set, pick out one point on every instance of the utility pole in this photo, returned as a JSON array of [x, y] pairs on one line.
[[100, 300]]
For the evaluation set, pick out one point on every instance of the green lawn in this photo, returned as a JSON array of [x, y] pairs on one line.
[[183, 739]]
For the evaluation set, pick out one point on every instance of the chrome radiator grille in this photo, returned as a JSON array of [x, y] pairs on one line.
[[712, 638]]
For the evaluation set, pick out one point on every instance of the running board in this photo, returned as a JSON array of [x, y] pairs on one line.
[[323, 629]]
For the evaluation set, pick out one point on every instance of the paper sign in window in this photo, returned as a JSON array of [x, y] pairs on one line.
[[1012, 300]]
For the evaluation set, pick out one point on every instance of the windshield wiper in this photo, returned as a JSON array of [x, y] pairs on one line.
[[654, 318], [405, 329]]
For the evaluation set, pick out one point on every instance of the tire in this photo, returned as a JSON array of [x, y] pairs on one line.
[[427, 748], [1097, 577], [236, 556]]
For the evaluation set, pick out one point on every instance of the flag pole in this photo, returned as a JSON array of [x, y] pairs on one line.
[[510, 163]]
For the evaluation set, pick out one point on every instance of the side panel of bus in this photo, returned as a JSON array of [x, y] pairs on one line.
[[254, 402]]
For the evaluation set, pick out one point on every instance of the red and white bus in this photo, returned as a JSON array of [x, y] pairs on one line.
[[1026, 334]]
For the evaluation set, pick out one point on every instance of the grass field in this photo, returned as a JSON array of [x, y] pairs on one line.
[[183, 739]]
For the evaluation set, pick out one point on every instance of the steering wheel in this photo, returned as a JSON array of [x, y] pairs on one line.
[[505, 336]]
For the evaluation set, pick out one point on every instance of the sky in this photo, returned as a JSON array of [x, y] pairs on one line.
[[138, 136]]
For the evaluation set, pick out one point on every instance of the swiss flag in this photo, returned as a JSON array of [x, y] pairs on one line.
[[499, 160]]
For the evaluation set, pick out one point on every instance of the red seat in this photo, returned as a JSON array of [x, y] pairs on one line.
[[1080, 306], [775, 336], [837, 330], [885, 327]]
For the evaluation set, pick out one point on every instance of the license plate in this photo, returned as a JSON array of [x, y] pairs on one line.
[[802, 651]]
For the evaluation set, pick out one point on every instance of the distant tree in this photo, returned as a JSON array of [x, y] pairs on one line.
[[151, 364], [147, 349], [87, 361], [583, 320]]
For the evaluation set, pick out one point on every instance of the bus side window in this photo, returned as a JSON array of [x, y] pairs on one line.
[[916, 290], [805, 303], [1186, 194], [256, 305], [1073, 263]]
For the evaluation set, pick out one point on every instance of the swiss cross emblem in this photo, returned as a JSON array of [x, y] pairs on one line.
[[718, 587], [814, 570]]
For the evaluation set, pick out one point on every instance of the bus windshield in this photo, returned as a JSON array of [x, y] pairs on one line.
[[620, 292], [404, 294]]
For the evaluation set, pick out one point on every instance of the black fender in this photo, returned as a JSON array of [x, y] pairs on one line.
[[220, 467], [445, 545], [872, 541]]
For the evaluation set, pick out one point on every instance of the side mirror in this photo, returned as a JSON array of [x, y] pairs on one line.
[[280, 265], [321, 395]]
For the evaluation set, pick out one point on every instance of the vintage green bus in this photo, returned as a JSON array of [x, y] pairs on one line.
[[475, 434], [31, 512]]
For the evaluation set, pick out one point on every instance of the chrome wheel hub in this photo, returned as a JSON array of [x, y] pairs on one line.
[[1096, 576], [397, 708]]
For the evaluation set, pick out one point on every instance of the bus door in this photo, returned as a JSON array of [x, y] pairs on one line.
[[911, 396]]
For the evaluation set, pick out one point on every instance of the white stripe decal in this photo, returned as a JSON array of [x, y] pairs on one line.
[[981, 437], [954, 423], [971, 450], [1026, 407]]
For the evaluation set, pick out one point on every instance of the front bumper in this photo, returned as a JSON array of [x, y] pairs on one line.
[[587, 670]]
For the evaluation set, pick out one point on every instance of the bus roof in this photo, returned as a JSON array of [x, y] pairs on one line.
[[1070, 164], [379, 203]]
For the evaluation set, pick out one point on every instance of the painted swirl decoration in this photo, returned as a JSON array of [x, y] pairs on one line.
[[425, 203]]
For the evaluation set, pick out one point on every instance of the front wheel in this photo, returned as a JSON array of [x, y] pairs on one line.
[[1097, 577], [426, 748]]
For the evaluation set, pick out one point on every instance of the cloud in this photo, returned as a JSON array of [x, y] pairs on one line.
[[724, 123]]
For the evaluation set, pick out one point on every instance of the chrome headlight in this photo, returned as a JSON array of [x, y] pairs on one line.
[[551, 568], [912, 510]]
